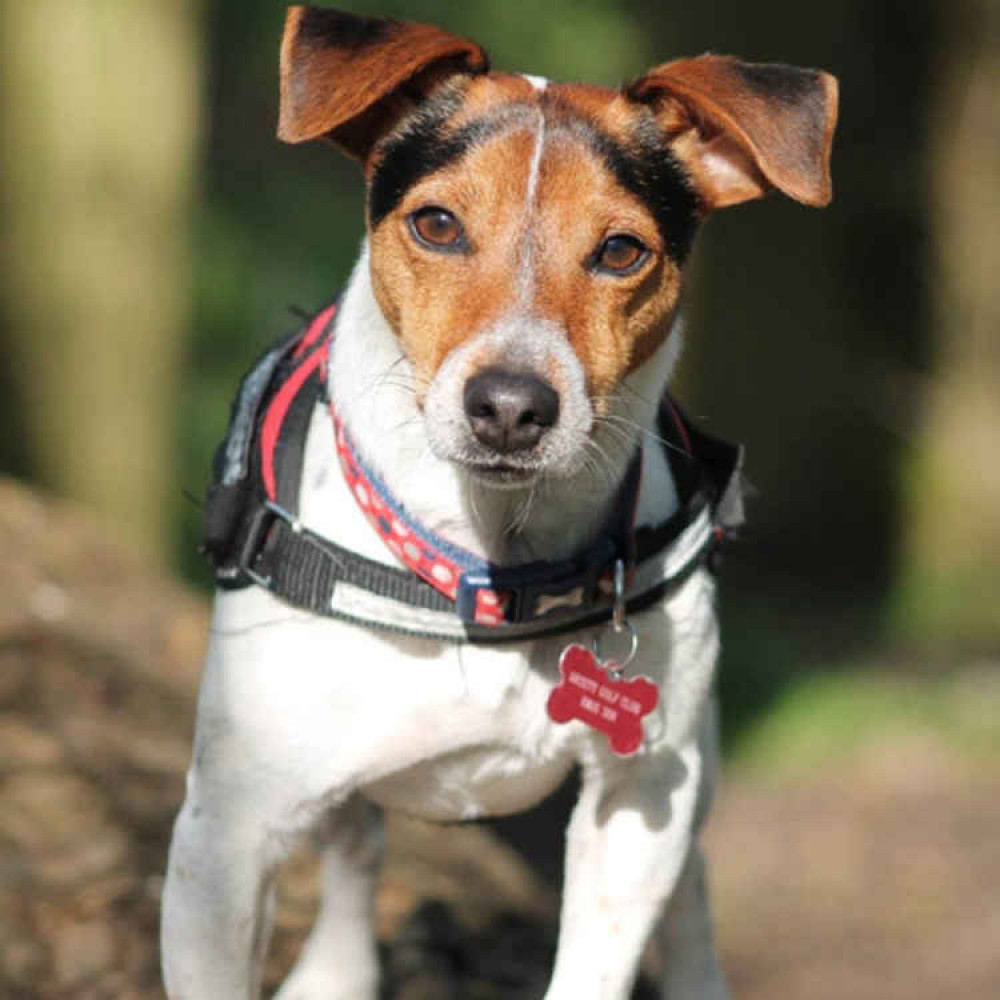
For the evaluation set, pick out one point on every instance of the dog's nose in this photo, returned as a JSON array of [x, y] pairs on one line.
[[509, 411]]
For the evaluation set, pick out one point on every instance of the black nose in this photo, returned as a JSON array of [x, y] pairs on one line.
[[508, 411]]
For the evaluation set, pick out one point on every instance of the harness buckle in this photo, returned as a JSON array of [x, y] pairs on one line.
[[256, 537]]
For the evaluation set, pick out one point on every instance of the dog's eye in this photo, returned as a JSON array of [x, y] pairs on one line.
[[437, 228], [620, 254]]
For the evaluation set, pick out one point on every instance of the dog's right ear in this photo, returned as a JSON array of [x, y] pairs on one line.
[[341, 74]]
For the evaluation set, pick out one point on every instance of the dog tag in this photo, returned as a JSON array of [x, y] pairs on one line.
[[589, 692]]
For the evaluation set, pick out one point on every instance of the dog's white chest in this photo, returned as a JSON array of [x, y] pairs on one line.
[[440, 730], [508, 758]]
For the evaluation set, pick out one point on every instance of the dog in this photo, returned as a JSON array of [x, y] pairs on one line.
[[462, 537]]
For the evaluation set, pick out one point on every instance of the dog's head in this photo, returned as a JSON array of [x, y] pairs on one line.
[[528, 239]]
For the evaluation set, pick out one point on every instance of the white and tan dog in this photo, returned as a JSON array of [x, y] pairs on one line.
[[497, 359]]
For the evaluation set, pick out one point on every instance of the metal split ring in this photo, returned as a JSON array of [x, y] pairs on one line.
[[619, 624], [619, 662]]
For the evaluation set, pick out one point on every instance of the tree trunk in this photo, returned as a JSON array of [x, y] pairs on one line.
[[951, 543], [98, 122]]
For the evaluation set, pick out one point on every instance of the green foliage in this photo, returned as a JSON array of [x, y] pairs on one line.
[[828, 714], [595, 40], [960, 609]]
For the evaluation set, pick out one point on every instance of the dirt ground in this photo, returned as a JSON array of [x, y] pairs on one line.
[[873, 876]]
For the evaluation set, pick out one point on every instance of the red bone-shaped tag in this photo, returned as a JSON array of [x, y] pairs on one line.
[[613, 707]]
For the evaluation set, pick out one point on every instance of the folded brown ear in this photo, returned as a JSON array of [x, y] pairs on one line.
[[336, 66], [745, 128]]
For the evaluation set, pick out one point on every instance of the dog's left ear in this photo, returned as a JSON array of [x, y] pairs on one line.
[[348, 77], [743, 129]]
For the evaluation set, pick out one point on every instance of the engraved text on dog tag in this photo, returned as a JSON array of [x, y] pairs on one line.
[[590, 693]]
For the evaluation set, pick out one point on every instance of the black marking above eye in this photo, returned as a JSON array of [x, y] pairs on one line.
[[619, 255], [644, 164], [424, 146]]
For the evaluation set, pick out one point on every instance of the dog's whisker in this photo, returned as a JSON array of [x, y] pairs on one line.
[[620, 437], [523, 512], [646, 433], [408, 422], [474, 505], [604, 464]]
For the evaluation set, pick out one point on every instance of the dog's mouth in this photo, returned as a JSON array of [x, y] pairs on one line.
[[503, 474]]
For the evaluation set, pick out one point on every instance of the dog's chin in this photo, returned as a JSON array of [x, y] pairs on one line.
[[502, 473]]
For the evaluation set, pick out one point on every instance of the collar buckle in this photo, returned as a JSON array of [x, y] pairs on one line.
[[537, 590]]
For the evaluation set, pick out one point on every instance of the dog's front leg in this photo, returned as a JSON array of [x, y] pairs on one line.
[[627, 844], [217, 897], [339, 960], [691, 966]]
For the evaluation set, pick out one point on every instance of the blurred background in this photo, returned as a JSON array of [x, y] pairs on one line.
[[154, 236]]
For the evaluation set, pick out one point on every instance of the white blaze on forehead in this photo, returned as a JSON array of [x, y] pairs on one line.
[[536, 164], [538, 82], [526, 283]]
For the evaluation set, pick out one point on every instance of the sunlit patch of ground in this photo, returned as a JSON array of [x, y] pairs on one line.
[[855, 848]]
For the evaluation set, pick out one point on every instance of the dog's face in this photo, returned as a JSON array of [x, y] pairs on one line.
[[528, 239], [523, 276]]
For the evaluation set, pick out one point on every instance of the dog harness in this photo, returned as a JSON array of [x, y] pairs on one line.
[[253, 534]]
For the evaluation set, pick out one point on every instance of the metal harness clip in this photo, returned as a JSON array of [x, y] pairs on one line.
[[619, 625]]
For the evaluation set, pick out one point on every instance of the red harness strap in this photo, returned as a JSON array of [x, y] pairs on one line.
[[277, 411]]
